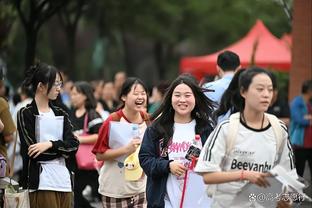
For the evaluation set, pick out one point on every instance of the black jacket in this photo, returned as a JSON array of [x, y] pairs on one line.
[[26, 119], [156, 166]]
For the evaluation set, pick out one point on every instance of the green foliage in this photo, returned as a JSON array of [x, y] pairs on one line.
[[198, 26]]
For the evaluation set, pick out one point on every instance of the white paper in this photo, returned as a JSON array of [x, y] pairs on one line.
[[49, 128], [195, 192], [120, 134], [268, 197]]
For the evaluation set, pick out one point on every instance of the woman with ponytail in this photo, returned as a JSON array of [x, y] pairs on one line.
[[45, 160]]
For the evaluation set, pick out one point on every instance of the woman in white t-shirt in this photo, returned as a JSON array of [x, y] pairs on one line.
[[47, 141], [184, 112], [255, 149]]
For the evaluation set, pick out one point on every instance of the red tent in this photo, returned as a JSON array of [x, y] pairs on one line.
[[287, 39], [259, 46]]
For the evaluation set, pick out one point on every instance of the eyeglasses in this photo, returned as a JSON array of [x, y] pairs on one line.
[[58, 84]]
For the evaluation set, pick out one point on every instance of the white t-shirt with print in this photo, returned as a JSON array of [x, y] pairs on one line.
[[182, 139], [253, 150], [54, 175]]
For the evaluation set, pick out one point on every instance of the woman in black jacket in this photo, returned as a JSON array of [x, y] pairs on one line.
[[45, 156], [185, 112]]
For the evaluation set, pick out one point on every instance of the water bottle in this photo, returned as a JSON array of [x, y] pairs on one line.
[[195, 148], [197, 142], [135, 132]]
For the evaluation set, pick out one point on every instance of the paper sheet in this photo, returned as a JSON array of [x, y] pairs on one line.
[[120, 134], [49, 128]]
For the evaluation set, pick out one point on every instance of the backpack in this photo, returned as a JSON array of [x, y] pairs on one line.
[[233, 130], [234, 121]]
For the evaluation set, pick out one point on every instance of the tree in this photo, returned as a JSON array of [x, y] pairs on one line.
[[33, 14], [69, 16]]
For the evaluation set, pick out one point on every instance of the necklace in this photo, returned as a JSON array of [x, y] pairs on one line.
[[244, 120]]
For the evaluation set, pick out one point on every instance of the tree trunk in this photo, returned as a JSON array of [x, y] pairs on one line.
[[159, 59], [71, 63], [30, 50]]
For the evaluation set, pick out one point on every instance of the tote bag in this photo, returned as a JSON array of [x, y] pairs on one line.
[[16, 199], [13, 196], [85, 158]]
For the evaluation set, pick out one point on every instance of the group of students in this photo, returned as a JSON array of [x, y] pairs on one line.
[[184, 112]]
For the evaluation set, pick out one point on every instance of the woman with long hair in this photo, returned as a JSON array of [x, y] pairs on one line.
[[184, 112], [87, 123]]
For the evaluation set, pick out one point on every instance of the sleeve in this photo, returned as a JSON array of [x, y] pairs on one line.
[[101, 144], [68, 146], [213, 152], [297, 112], [24, 120], [286, 159], [95, 122], [152, 164], [7, 120], [26, 131]]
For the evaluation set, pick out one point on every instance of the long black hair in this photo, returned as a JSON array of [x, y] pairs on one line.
[[230, 100], [202, 112], [86, 89], [40, 72]]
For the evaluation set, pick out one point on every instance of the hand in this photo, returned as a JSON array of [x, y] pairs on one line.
[[284, 204], [257, 178], [132, 146], [35, 150], [176, 168]]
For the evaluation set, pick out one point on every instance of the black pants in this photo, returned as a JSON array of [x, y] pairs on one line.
[[301, 156], [82, 179]]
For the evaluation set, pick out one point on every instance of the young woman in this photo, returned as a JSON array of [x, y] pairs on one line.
[[255, 144], [45, 158], [184, 112], [115, 190], [85, 116]]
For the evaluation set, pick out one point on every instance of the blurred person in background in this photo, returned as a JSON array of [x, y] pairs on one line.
[[84, 103], [107, 99], [301, 127], [279, 106], [8, 126], [26, 98], [119, 78], [227, 64], [65, 93], [157, 96]]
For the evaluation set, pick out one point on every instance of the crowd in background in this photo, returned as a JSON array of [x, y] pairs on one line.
[[98, 102]]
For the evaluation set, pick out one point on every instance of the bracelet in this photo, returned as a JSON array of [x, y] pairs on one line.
[[241, 177]]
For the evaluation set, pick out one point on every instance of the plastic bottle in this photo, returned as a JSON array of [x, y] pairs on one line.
[[135, 131], [197, 141], [195, 148]]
